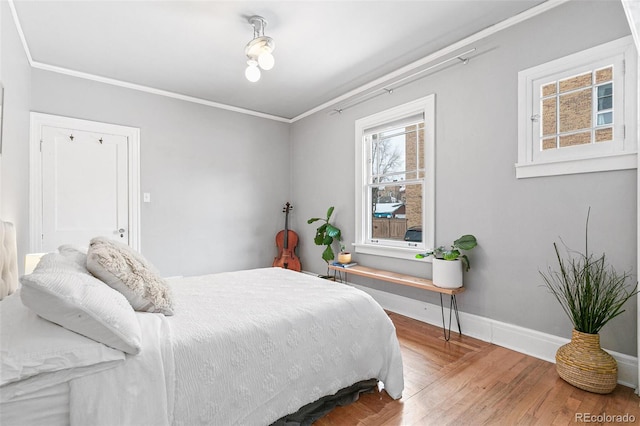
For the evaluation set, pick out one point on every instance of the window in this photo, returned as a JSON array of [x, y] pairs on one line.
[[578, 114], [395, 180]]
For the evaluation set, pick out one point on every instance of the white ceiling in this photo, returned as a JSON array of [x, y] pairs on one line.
[[324, 49]]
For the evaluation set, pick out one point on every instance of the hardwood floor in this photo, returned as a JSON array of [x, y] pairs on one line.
[[470, 382]]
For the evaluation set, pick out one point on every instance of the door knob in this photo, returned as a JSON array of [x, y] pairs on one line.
[[121, 232]]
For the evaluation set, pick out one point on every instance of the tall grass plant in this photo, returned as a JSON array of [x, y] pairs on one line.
[[590, 291]]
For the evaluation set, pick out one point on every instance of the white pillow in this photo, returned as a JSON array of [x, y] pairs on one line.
[[76, 254], [37, 353], [60, 291], [127, 271]]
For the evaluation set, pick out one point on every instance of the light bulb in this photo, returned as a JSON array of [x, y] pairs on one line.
[[266, 60], [252, 72]]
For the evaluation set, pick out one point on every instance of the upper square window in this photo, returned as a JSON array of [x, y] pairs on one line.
[[578, 114]]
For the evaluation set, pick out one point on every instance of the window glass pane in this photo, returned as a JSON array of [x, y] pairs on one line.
[[549, 89], [413, 204], [605, 90], [605, 74], [605, 118], [582, 138], [397, 212], [388, 153], [605, 97], [549, 115], [385, 157], [549, 143], [577, 82], [604, 134], [575, 110], [568, 113], [396, 157], [419, 146], [605, 103]]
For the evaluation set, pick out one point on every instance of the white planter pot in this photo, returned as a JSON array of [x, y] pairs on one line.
[[447, 273]]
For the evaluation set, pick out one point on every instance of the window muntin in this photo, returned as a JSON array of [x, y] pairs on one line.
[[577, 110], [395, 180], [395, 183]]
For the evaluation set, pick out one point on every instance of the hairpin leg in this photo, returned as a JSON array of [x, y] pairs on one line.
[[453, 306]]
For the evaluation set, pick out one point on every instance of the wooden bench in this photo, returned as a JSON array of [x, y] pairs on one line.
[[410, 281]]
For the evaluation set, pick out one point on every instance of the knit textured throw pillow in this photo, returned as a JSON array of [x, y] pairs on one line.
[[124, 269]]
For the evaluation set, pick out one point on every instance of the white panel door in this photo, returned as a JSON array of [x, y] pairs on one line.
[[84, 187]]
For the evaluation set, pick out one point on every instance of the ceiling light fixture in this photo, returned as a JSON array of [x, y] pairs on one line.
[[259, 50]]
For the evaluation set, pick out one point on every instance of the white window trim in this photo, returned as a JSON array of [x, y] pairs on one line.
[[624, 156], [426, 106]]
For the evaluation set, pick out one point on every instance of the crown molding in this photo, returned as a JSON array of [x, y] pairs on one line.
[[125, 84], [152, 90], [528, 14], [16, 21], [389, 78]]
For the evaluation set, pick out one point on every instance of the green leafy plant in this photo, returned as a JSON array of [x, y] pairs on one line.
[[589, 290], [466, 242], [326, 234]]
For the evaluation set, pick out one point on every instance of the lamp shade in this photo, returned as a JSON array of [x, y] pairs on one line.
[[31, 260]]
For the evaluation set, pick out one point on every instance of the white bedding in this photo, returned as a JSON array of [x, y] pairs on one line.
[[249, 348], [138, 391], [36, 353], [246, 347], [278, 340], [45, 407]]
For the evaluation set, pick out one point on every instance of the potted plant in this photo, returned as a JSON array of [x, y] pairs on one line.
[[448, 263], [591, 293], [326, 234]]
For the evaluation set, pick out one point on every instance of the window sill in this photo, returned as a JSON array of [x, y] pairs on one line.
[[386, 251], [585, 165]]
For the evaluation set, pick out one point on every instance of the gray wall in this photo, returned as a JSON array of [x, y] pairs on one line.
[[516, 221], [217, 179], [14, 183]]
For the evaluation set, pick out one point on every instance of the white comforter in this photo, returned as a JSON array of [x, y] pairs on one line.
[[252, 346]]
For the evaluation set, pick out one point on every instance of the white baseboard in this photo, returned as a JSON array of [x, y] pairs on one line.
[[520, 339]]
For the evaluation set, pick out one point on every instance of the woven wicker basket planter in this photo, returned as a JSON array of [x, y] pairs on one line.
[[584, 364]]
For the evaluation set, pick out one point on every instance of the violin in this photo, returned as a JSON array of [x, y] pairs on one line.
[[286, 241]]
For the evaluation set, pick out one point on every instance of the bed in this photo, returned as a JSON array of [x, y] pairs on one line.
[[254, 347]]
